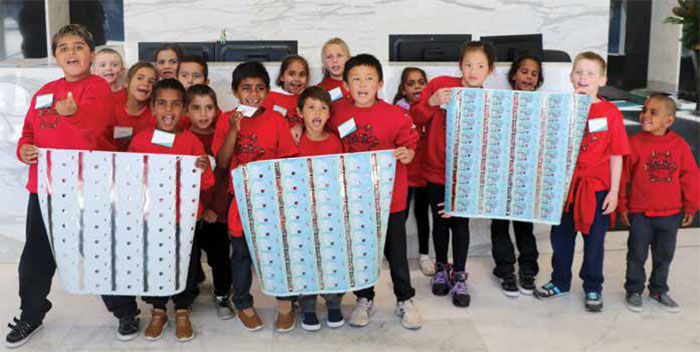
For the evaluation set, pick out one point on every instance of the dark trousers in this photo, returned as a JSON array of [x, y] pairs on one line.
[[36, 266], [395, 253], [308, 302], [441, 231], [121, 306], [504, 253], [184, 299], [563, 239], [241, 274], [659, 233], [421, 209], [213, 239]]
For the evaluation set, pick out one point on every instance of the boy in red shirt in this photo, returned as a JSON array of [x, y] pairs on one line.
[[251, 132], [594, 189], [663, 178], [73, 112], [372, 124]]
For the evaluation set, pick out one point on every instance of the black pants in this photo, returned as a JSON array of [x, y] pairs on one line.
[[420, 211], [659, 233], [121, 306], [504, 253], [213, 239], [441, 231], [395, 253], [184, 299], [36, 266], [241, 274]]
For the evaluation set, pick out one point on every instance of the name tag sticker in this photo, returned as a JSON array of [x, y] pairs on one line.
[[598, 124], [347, 127], [280, 109], [43, 101], [336, 93], [246, 110], [122, 132], [163, 138]]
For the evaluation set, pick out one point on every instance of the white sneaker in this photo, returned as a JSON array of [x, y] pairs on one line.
[[427, 265], [360, 314], [410, 317]]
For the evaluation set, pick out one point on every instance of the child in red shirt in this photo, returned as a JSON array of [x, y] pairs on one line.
[[110, 66], [663, 178], [315, 109], [371, 124], [133, 115], [476, 64], [292, 80], [334, 54], [594, 189], [166, 59], [192, 70], [252, 132], [413, 81], [211, 234], [73, 112]]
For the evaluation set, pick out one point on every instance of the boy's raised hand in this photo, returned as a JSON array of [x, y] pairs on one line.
[[687, 219], [441, 96], [296, 132], [203, 162], [625, 219], [404, 155], [609, 203], [235, 121], [67, 107], [28, 153]]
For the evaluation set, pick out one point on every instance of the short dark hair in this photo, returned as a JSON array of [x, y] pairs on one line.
[[285, 65], [249, 69], [668, 102], [169, 46], [515, 66], [197, 60], [168, 83], [363, 60], [484, 47], [316, 93], [200, 89], [72, 29]]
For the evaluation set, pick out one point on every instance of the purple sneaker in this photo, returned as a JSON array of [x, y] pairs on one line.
[[440, 282], [459, 292]]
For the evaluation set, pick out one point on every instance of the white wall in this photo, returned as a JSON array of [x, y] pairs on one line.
[[664, 49]]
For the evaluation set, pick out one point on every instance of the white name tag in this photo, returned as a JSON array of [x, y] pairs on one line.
[[280, 109], [246, 110], [598, 124], [279, 90], [163, 138], [121, 132], [43, 101], [347, 127], [336, 93]]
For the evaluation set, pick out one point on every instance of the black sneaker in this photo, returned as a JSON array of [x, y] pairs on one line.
[[335, 318], [509, 286], [459, 291], [527, 284], [594, 302], [128, 328], [440, 282], [665, 302], [309, 322], [21, 332]]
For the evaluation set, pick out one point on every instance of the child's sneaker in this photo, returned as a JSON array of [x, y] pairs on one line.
[[527, 284], [285, 321], [128, 328], [665, 302], [594, 302], [183, 327], [459, 292], [549, 290], [634, 302], [335, 318], [224, 310], [159, 322], [410, 317], [21, 332], [360, 314], [427, 265], [440, 283], [309, 322], [252, 322], [509, 286]]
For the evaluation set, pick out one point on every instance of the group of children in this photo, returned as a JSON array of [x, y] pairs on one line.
[[168, 108]]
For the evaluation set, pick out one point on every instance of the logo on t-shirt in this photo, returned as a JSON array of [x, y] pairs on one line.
[[248, 149], [362, 140], [48, 116], [660, 167], [588, 140]]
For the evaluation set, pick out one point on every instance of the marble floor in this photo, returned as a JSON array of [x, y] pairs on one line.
[[493, 322]]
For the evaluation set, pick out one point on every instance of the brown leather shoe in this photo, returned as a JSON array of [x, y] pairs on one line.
[[251, 323], [159, 321], [285, 321], [183, 327]]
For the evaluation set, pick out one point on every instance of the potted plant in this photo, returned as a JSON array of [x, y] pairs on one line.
[[687, 14]]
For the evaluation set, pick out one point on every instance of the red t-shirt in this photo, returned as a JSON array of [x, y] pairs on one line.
[[216, 198], [330, 83], [379, 127], [663, 176], [141, 122], [330, 145], [435, 122], [286, 104], [185, 143], [415, 168], [119, 96], [90, 128], [261, 137]]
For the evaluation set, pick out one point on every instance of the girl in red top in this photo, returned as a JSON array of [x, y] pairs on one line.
[[334, 54], [292, 80], [476, 63], [134, 114], [413, 80]]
